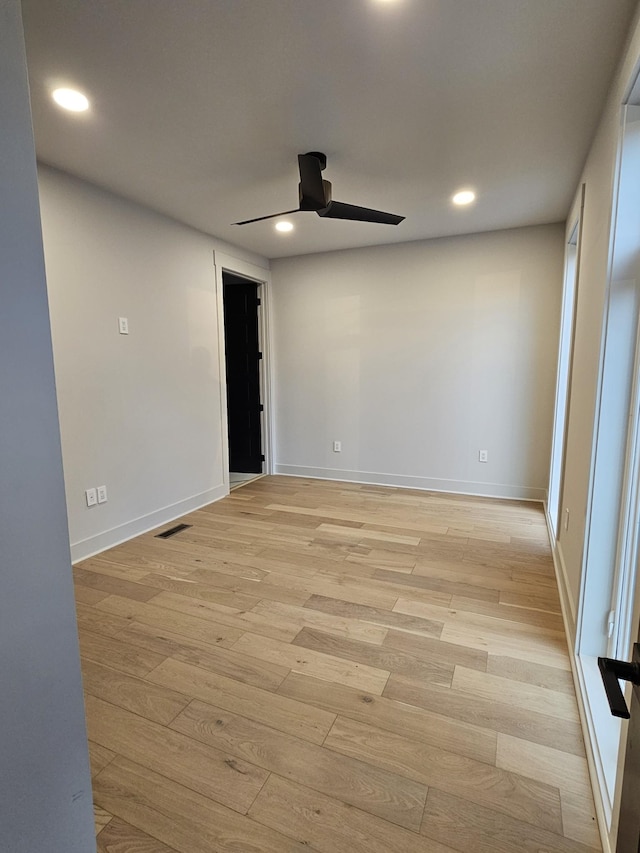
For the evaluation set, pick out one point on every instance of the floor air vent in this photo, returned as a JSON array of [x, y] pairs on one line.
[[172, 531]]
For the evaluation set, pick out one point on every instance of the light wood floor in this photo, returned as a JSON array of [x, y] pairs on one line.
[[336, 668]]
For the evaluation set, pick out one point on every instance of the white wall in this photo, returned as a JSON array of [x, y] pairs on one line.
[[416, 356], [45, 786], [139, 413]]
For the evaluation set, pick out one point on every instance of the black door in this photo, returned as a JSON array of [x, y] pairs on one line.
[[629, 825], [243, 376]]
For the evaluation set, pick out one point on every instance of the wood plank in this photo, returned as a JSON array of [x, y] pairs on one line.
[[568, 772], [507, 558], [509, 613], [171, 559], [435, 650], [475, 620], [233, 568], [301, 617], [450, 548], [507, 792], [160, 704], [140, 555], [401, 718], [288, 592], [195, 587], [327, 667], [103, 566], [387, 659], [90, 619], [477, 532], [470, 828], [519, 694], [325, 824], [99, 757], [356, 591], [448, 587], [240, 620], [383, 559], [221, 542], [179, 817], [376, 615], [279, 712], [193, 627], [101, 818], [370, 533], [87, 595], [496, 641], [114, 586], [379, 792], [267, 676], [289, 561], [497, 716], [531, 673], [424, 530], [501, 579], [549, 602], [121, 837], [215, 774], [495, 636], [120, 655], [345, 515]]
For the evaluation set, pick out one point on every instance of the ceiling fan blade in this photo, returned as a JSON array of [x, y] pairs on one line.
[[271, 216], [340, 210], [312, 195]]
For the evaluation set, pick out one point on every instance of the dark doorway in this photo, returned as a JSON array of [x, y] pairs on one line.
[[242, 351]]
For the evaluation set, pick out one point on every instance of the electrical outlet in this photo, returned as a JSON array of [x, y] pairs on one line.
[[102, 494], [337, 447], [91, 496], [123, 325], [483, 456]]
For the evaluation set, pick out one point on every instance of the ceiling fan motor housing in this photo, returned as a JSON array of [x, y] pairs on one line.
[[314, 204], [322, 158]]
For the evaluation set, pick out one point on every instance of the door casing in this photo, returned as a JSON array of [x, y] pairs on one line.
[[262, 276]]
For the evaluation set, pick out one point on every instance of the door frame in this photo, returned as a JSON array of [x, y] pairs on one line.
[[567, 337], [262, 277]]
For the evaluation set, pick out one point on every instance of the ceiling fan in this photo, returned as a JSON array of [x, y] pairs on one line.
[[315, 194]]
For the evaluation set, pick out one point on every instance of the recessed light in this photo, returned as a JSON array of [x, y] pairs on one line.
[[284, 226], [464, 197], [70, 99]]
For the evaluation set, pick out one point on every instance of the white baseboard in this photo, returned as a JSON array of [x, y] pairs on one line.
[[429, 484], [569, 616], [566, 599], [117, 535]]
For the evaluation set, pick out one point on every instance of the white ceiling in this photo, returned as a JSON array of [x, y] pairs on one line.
[[199, 107]]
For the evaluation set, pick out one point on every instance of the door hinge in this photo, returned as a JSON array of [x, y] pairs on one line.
[[611, 623], [259, 356], [258, 302], [261, 408], [262, 457]]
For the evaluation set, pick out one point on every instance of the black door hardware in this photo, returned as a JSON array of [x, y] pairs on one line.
[[611, 670]]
